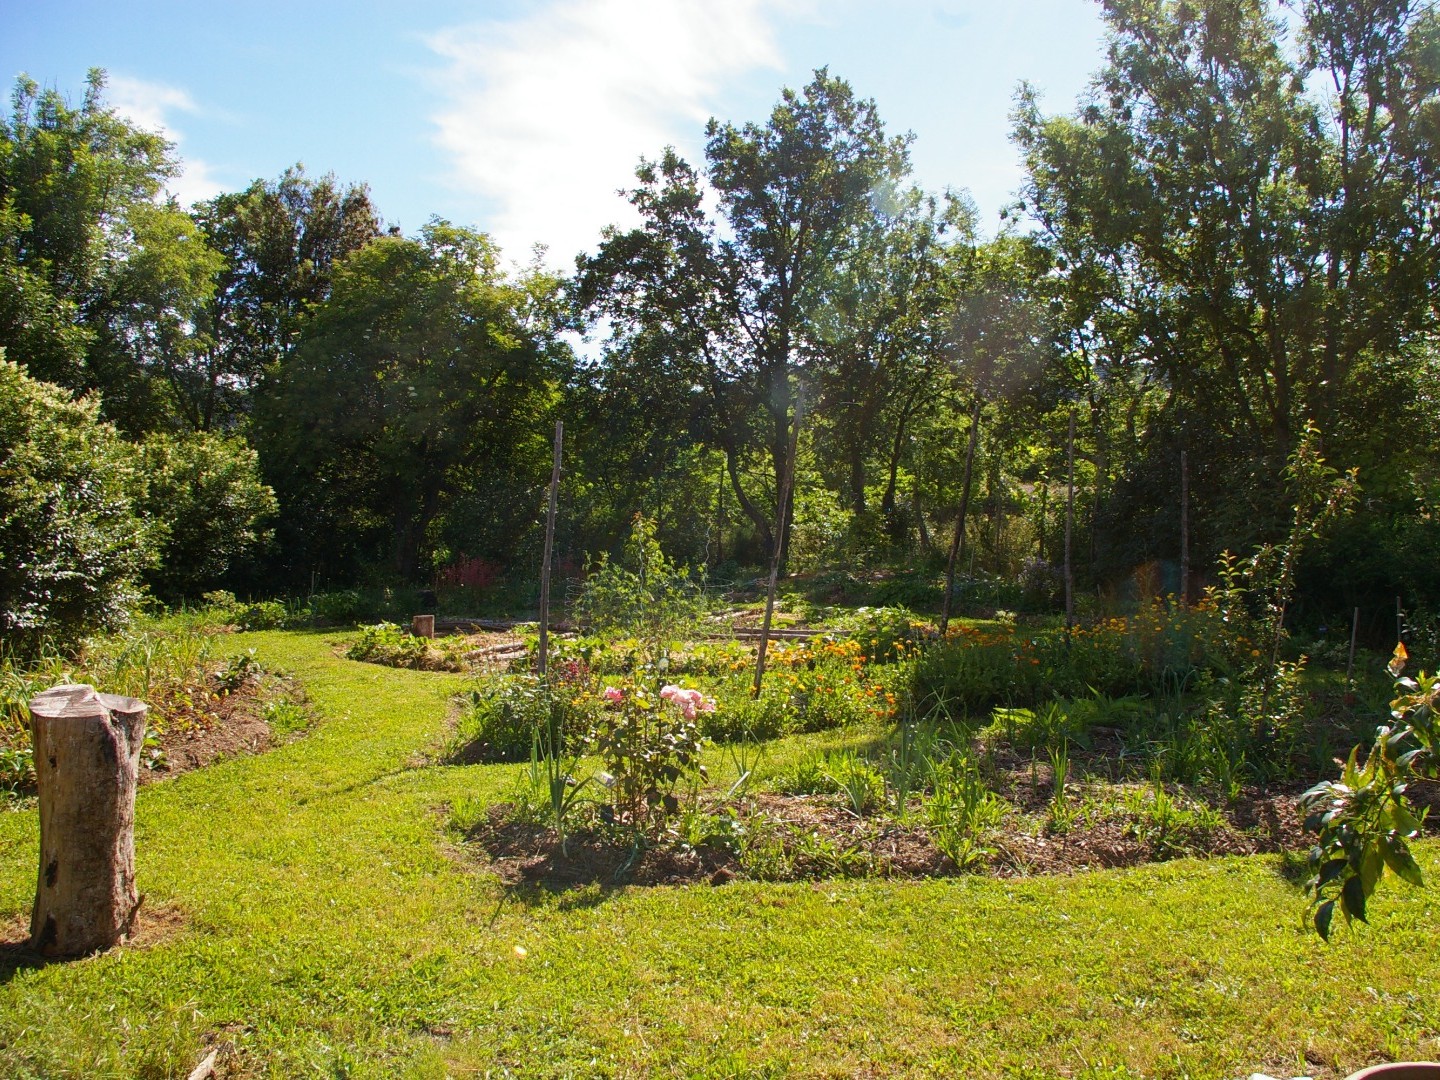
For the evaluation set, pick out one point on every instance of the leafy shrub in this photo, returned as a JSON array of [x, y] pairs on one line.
[[387, 643], [648, 745], [72, 544], [644, 594], [203, 494], [501, 722], [344, 608], [758, 719]]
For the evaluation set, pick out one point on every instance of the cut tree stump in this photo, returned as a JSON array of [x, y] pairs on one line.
[[422, 626], [87, 754]]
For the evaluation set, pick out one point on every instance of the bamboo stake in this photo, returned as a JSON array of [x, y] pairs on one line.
[[1184, 531], [957, 544], [782, 514], [1069, 528], [1354, 632], [549, 548]]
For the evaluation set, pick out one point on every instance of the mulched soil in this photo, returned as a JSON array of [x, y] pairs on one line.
[[225, 725], [822, 838]]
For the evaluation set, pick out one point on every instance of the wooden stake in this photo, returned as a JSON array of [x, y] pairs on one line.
[[782, 511], [957, 543], [1184, 531], [1069, 527], [549, 547], [1354, 632]]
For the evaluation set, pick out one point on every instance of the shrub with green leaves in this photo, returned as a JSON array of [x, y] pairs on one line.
[[208, 506], [72, 544], [643, 594], [500, 722]]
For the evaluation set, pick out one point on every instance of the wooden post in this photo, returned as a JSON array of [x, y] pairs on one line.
[[782, 511], [1184, 531], [422, 626], [1354, 632], [87, 754], [544, 650], [957, 543], [1069, 527]]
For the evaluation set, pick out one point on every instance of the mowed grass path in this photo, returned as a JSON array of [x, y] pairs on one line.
[[330, 929]]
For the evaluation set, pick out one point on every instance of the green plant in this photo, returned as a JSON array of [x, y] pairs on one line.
[[553, 772], [1363, 821], [643, 594], [746, 755], [499, 719], [1061, 815], [72, 538], [961, 809], [808, 776], [862, 784], [648, 745], [210, 510]]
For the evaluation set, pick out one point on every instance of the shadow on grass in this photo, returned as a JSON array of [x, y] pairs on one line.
[[16, 956]]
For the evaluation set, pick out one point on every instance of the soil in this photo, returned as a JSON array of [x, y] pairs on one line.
[[820, 837], [225, 725]]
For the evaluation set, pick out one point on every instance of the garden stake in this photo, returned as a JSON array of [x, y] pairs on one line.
[[1184, 532], [782, 514], [957, 543], [1354, 630], [1069, 528], [549, 546]]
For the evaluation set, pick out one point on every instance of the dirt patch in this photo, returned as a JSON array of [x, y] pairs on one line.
[[524, 852], [155, 924], [229, 724], [813, 837]]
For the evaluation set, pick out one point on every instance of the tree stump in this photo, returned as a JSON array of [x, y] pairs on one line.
[[87, 755], [422, 625]]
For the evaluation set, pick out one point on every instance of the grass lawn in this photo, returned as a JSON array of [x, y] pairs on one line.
[[322, 923]]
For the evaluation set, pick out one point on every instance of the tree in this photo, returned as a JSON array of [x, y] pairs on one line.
[[1240, 255], [209, 511], [726, 303], [422, 385], [279, 243], [71, 542], [70, 182]]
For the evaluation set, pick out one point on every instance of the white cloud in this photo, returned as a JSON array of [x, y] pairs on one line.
[[547, 116], [150, 105]]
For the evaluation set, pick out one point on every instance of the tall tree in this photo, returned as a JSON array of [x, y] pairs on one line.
[[279, 242], [726, 302], [71, 182], [1239, 254], [426, 378]]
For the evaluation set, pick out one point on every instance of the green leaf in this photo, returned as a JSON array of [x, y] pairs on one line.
[[1372, 868], [1323, 914], [1352, 897], [1398, 859]]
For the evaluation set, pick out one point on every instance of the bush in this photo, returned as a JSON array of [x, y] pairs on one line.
[[71, 542], [204, 497], [501, 722]]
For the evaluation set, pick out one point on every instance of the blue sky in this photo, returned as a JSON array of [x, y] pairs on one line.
[[524, 118]]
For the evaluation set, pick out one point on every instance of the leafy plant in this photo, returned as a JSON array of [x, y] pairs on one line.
[[1363, 821], [1061, 816], [961, 809], [647, 745], [862, 784]]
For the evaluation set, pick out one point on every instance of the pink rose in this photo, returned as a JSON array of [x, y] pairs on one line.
[[613, 694]]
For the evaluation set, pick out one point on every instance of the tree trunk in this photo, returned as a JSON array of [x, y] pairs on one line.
[[957, 545], [87, 755]]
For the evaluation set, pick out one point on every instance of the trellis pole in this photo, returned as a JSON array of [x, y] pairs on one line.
[[544, 651], [787, 488]]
